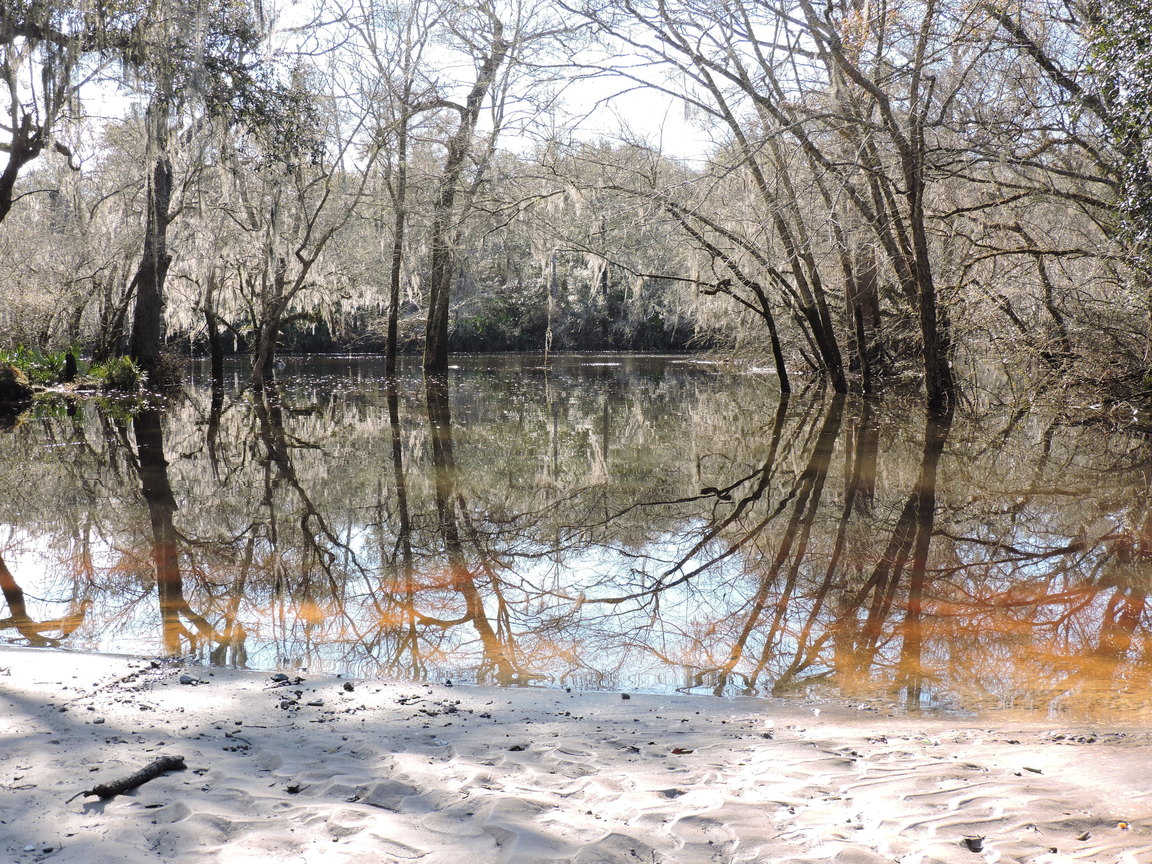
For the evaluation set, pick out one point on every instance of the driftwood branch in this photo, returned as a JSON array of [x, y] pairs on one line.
[[149, 772]]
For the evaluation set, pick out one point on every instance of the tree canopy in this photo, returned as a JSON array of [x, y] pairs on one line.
[[887, 194]]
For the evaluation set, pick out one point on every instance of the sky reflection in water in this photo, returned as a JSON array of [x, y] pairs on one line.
[[622, 522]]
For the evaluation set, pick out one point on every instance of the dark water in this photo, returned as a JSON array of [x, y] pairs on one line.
[[614, 522]]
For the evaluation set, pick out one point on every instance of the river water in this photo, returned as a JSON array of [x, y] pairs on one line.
[[619, 521]]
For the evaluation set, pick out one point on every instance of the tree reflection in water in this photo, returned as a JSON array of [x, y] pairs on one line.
[[651, 523], [497, 659], [152, 469]]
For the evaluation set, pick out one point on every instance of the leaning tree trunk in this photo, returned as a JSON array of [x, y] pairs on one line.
[[443, 269], [26, 144]]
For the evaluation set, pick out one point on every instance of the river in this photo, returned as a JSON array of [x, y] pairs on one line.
[[613, 521]]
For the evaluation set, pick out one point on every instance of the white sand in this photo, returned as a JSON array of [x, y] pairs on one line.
[[393, 772]]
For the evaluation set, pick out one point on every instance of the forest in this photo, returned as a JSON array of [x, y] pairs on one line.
[[878, 194]]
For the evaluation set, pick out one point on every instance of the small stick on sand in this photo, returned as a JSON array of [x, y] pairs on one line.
[[149, 772]]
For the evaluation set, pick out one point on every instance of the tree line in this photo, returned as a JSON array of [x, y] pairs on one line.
[[914, 190]]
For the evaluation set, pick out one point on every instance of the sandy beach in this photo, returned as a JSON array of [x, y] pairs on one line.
[[323, 769]]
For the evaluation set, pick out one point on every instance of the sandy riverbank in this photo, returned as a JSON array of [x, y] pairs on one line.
[[396, 772]]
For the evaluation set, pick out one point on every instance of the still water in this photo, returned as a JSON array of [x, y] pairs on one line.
[[606, 522]]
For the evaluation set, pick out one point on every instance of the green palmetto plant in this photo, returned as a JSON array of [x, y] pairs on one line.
[[40, 367]]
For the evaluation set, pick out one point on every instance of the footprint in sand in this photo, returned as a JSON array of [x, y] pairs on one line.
[[391, 795]]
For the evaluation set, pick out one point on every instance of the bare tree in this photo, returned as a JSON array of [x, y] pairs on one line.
[[491, 50]]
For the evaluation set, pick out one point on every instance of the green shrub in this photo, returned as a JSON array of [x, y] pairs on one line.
[[119, 373], [41, 367]]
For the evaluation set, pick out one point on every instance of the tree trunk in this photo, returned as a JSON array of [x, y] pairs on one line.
[[399, 202], [264, 363], [444, 222], [774, 342], [27, 142], [439, 295], [215, 344], [274, 305], [147, 322], [935, 327]]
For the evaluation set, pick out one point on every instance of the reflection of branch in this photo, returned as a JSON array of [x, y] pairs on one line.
[[796, 534], [503, 621], [1018, 553], [765, 474], [1118, 626], [276, 445], [19, 619], [863, 470]]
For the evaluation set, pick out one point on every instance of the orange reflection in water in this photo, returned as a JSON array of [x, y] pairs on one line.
[[690, 532]]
